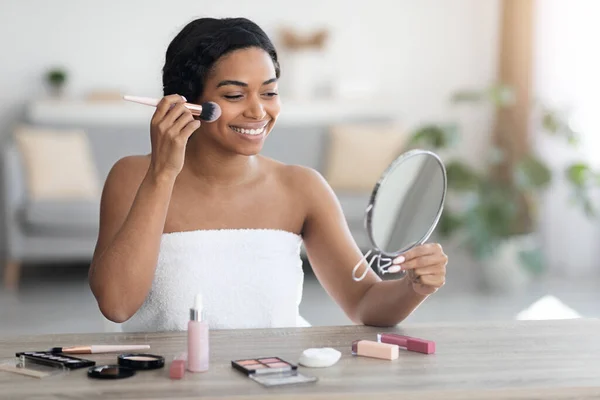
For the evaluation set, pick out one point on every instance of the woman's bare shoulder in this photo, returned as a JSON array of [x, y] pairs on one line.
[[300, 178], [129, 169], [124, 179]]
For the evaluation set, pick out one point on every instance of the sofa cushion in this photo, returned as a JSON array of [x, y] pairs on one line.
[[359, 153], [58, 164], [354, 206], [62, 218]]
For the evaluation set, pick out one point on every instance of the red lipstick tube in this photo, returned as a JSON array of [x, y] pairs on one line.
[[410, 343]]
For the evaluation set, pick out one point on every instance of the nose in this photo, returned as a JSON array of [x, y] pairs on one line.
[[255, 109]]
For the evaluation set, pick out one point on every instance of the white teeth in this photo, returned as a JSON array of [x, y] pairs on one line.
[[248, 131]]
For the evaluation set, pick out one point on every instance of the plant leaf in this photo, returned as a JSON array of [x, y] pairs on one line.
[[461, 177], [555, 123], [578, 174], [435, 136], [449, 223], [531, 173]]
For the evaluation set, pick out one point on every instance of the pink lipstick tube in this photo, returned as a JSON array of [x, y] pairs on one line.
[[410, 343]]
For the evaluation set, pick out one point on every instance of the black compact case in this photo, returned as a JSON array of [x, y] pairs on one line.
[[57, 360]]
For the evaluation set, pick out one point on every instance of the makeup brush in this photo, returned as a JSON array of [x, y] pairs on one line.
[[99, 348], [208, 111]]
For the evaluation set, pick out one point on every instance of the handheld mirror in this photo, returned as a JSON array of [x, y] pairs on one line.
[[404, 208]]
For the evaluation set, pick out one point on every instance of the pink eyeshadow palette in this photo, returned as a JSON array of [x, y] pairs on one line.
[[268, 365]]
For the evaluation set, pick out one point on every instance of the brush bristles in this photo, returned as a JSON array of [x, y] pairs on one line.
[[210, 111]]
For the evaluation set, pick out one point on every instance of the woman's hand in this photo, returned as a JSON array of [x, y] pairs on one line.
[[426, 267], [172, 124]]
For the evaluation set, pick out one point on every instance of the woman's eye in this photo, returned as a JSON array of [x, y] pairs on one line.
[[233, 96], [271, 94]]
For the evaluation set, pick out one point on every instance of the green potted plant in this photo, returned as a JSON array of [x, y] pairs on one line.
[[493, 211], [56, 79]]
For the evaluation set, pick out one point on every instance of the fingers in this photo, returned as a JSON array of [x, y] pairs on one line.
[[177, 111], [424, 262], [436, 281], [419, 251], [181, 122], [190, 128], [165, 104]]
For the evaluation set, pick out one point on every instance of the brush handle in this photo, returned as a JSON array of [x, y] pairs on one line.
[[117, 348], [149, 101]]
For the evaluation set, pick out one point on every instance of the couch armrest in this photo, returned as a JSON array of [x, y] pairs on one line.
[[13, 195]]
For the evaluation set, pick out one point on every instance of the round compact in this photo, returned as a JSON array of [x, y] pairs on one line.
[[141, 361], [319, 358], [110, 372]]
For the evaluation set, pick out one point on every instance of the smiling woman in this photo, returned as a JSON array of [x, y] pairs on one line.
[[206, 214]]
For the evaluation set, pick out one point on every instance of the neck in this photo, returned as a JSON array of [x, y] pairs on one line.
[[216, 166]]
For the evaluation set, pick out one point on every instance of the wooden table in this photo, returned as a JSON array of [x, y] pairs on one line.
[[535, 359]]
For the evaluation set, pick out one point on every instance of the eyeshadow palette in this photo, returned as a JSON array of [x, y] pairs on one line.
[[269, 365], [58, 360], [271, 371]]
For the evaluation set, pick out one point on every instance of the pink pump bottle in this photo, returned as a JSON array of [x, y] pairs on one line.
[[197, 340]]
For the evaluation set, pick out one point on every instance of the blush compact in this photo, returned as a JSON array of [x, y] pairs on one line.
[[141, 361], [110, 372]]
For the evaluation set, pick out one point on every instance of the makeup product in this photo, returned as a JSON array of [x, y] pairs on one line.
[[23, 371], [368, 348], [271, 371], [141, 361], [410, 343], [177, 368], [319, 357], [54, 359], [99, 348], [197, 338], [110, 372], [207, 112]]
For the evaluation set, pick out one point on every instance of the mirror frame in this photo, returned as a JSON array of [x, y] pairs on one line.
[[372, 201]]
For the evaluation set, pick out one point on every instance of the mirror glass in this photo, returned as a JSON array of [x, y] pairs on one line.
[[405, 207], [407, 203]]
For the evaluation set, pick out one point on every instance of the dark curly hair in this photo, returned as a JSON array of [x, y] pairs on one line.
[[193, 52]]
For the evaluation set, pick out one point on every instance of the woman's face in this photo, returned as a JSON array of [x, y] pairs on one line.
[[244, 85]]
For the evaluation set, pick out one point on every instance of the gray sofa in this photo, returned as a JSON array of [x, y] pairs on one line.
[[53, 232]]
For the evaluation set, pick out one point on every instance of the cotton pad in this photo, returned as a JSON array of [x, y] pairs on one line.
[[319, 358]]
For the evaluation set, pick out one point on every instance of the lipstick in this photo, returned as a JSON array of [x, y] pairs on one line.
[[409, 343]]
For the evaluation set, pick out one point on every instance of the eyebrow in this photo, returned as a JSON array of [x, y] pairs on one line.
[[243, 84]]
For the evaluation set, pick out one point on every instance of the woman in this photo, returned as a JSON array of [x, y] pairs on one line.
[[204, 213]]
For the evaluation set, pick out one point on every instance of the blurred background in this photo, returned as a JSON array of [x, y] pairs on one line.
[[502, 90]]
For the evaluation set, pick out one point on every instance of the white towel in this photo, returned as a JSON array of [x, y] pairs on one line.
[[248, 278]]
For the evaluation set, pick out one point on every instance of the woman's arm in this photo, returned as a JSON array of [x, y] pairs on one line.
[[131, 225], [133, 210], [333, 254]]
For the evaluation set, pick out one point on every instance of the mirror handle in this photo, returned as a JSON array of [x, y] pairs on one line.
[[382, 268]]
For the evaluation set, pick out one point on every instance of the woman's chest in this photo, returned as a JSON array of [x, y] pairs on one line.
[[253, 208]]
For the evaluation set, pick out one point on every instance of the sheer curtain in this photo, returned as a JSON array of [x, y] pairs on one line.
[[567, 75]]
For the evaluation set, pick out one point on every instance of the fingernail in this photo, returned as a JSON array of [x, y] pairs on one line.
[[394, 269], [184, 99], [398, 260]]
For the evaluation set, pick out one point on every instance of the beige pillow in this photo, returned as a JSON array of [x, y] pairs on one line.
[[358, 155], [58, 164]]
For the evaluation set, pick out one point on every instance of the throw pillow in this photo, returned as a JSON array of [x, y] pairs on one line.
[[58, 164], [359, 154]]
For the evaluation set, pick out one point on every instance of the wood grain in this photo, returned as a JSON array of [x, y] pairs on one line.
[[524, 359]]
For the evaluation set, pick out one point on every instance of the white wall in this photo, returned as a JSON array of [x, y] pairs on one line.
[[413, 52], [566, 76]]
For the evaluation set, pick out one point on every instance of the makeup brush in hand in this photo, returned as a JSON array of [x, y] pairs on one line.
[[208, 111]]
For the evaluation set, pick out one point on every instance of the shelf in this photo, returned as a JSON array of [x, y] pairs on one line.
[[75, 112]]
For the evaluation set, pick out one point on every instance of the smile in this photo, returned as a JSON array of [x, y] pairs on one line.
[[251, 132]]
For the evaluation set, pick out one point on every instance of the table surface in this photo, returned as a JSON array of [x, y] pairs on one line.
[[521, 359]]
